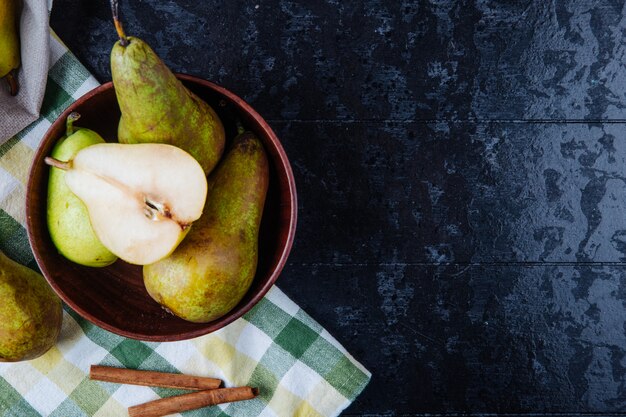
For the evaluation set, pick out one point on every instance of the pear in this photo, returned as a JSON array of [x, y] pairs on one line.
[[30, 313], [157, 107], [68, 219], [141, 199], [10, 42], [212, 269]]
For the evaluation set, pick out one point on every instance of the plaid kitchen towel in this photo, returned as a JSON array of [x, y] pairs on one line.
[[300, 368]]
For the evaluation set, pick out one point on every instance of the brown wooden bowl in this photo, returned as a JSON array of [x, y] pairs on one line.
[[114, 297]]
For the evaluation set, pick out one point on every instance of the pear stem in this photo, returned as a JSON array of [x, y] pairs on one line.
[[69, 123], [57, 164], [118, 25], [240, 128], [11, 78]]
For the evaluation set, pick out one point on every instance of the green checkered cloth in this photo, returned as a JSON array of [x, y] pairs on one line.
[[300, 368]]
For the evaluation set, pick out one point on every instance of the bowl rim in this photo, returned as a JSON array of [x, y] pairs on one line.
[[238, 311]]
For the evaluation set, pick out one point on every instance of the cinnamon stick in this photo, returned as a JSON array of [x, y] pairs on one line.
[[152, 378], [186, 402]]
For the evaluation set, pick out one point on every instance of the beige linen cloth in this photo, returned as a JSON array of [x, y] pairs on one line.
[[18, 112]]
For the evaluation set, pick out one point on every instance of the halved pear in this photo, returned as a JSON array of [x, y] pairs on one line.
[[141, 198]]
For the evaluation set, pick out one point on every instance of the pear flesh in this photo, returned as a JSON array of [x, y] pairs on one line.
[[157, 108], [67, 216], [213, 268], [30, 313], [141, 198]]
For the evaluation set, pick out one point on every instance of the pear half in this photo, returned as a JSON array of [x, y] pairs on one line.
[[141, 198]]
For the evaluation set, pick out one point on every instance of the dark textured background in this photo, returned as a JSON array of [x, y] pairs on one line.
[[461, 170]]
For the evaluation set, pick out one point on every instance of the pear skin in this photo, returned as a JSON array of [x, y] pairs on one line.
[[30, 313], [213, 268], [10, 42], [157, 107], [68, 219]]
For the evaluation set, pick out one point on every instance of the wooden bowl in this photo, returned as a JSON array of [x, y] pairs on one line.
[[114, 297]]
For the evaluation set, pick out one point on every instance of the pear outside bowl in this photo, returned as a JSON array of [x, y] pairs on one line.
[[114, 297]]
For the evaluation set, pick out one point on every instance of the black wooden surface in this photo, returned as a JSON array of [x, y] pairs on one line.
[[461, 169]]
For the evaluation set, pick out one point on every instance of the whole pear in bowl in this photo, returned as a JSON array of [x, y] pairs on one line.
[[157, 108], [211, 271]]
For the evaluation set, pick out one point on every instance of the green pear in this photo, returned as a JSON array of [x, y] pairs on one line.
[[68, 219], [30, 313], [10, 42], [157, 107], [212, 269]]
